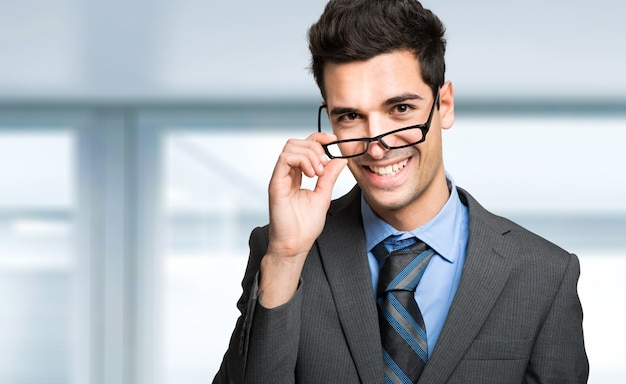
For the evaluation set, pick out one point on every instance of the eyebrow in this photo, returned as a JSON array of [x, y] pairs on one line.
[[390, 101], [401, 98], [342, 111]]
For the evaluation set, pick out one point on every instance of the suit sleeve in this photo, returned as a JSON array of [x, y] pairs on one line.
[[263, 347], [559, 353]]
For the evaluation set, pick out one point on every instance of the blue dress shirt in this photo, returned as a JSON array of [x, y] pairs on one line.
[[447, 233]]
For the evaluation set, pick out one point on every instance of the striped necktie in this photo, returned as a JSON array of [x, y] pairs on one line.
[[403, 334]]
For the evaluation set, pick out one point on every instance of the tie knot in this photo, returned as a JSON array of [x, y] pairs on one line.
[[403, 268]]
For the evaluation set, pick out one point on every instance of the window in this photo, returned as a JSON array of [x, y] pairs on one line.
[[39, 267], [211, 191], [123, 229]]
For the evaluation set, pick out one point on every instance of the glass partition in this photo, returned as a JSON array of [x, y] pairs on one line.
[[37, 255]]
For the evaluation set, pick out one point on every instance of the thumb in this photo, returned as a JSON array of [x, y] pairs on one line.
[[332, 170]]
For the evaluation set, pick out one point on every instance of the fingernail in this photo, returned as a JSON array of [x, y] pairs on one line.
[[325, 158], [320, 167]]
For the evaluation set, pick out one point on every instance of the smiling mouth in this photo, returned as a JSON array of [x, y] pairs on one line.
[[389, 170]]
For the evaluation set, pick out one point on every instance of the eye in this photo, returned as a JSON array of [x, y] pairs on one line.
[[403, 108], [348, 117]]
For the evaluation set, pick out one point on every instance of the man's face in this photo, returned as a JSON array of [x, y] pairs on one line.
[[370, 98]]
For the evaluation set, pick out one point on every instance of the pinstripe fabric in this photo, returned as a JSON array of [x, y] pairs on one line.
[[403, 334], [515, 318]]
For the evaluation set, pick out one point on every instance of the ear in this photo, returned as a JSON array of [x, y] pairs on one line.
[[446, 105]]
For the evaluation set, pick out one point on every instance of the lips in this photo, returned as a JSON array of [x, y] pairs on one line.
[[389, 170]]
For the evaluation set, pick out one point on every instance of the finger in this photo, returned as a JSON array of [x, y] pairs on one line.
[[326, 182], [312, 156], [290, 165], [322, 137]]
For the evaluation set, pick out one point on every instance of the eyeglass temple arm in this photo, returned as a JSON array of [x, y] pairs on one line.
[[319, 117]]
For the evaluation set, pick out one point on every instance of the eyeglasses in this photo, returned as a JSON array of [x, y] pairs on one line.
[[396, 139]]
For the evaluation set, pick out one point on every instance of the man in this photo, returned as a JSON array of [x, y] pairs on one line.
[[495, 304]]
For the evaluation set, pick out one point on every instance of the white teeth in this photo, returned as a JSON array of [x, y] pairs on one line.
[[390, 169]]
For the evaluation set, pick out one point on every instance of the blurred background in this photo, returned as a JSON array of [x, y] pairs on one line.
[[137, 139]]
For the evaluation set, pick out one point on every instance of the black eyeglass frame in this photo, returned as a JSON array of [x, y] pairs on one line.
[[367, 140]]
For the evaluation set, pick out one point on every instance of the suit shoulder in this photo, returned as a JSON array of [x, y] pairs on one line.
[[259, 240], [530, 241], [526, 242]]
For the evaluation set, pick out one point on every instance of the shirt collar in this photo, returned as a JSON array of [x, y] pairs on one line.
[[439, 233]]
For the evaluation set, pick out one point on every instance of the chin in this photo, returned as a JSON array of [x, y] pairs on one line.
[[388, 200]]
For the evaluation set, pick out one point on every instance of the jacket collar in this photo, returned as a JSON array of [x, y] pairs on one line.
[[486, 270], [344, 257], [343, 254]]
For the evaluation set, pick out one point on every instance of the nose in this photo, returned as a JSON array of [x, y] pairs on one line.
[[376, 127], [376, 150]]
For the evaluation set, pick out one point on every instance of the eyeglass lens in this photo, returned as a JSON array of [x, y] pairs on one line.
[[399, 139]]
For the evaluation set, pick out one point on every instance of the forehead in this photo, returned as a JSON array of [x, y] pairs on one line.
[[372, 81]]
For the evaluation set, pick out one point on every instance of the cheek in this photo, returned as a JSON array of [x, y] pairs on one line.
[[431, 149], [354, 167]]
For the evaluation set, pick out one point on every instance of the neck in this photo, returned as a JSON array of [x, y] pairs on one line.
[[421, 210]]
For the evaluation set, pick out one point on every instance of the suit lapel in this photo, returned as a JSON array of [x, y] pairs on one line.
[[343, 255], [485, 273]]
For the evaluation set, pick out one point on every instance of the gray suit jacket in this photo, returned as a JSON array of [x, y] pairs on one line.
[[516, 316]]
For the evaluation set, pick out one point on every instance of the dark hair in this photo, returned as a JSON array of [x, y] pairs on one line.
[[357, 30]]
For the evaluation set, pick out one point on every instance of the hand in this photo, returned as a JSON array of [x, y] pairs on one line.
[[297, 215]]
